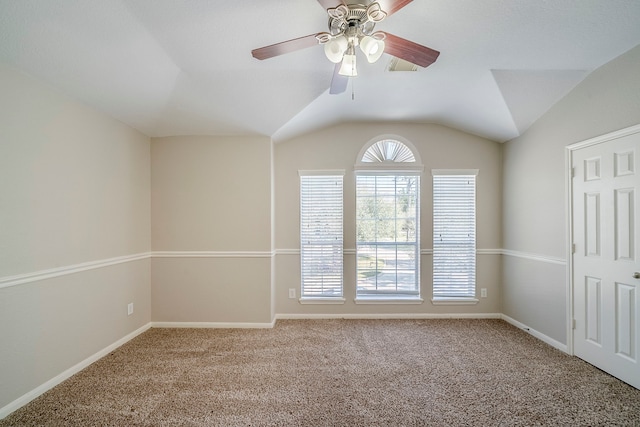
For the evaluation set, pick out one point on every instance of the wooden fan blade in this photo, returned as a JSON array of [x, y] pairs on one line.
[[338, 82], [409, 51], [330, 4], [285, 47], [392, 6]]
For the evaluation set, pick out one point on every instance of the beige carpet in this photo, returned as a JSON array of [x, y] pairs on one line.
[[337, 373]]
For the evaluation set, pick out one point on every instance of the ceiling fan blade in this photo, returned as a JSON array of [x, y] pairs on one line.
[[338, 82], [285, 47], [392, 6], [330, 4], [409, 51]]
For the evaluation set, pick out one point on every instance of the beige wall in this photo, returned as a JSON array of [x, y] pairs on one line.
[[534, 189], [74, 188], [75, 184], [211, 218], [337, 148], [212, 290]]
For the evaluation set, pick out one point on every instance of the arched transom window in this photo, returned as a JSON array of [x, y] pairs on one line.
[[388, 153], [388, 150]]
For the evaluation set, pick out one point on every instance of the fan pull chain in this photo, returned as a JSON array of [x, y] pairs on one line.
[[353, 92]]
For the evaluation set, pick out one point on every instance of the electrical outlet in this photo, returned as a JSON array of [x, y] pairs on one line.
[[292, 293], [130, 309], [483, 293]]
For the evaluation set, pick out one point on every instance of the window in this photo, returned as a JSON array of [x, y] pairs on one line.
[[387, 222], [321, 220], [454, 234]]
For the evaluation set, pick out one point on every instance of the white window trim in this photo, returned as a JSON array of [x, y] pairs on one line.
[[336, 172], [455, 172], [390, 170], [399, 300], [455, 301], [322, 300]]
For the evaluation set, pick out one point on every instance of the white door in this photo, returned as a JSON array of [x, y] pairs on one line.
[[606, 267]]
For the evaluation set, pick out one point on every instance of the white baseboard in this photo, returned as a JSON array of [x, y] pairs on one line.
[[213, 325], [417, 316], [542, 337], [28, 397]]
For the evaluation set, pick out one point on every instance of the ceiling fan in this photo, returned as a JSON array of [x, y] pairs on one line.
[[352, 25]]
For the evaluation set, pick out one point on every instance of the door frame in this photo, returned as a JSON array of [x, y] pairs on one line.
[[569, 173]]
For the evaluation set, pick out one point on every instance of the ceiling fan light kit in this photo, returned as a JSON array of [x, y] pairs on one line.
[[348, 67], [334, 49], [351, 26], [372, 48]]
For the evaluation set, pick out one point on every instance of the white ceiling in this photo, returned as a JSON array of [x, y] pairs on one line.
[[184, 67]]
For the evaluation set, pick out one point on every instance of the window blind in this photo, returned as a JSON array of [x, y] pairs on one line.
[[454, 236], [321, 235]]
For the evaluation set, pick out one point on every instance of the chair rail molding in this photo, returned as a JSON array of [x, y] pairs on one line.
[[35, 276]]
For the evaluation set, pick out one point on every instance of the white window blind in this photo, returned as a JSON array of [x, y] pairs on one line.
[[454, 236], [321, 241], [387, 240]]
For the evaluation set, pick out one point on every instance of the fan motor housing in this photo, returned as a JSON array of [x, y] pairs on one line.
[[354, 20]]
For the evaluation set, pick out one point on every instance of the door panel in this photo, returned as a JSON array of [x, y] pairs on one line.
[[624, 224], [625, 320], [592, 221], [592, 310], [605, 216]]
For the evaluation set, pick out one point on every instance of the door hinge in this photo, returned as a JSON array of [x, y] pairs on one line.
[[573, 323], [573, 172], [573, 248]]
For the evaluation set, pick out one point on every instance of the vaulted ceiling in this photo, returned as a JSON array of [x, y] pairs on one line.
[[184, 67]]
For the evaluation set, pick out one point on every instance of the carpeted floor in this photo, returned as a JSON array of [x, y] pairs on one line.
[[337, 373]]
